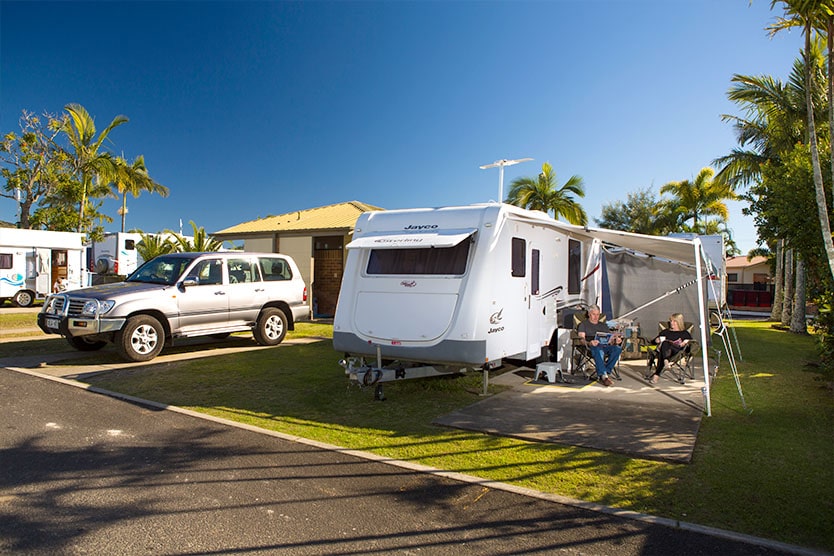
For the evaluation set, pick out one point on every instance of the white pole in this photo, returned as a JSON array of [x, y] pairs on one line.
[[500, 165], [704, 325]]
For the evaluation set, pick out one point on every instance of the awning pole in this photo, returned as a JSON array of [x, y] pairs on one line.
[[703, 327]]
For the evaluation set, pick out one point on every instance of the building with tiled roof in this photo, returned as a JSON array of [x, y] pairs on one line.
[[749, 283], [315, 238]]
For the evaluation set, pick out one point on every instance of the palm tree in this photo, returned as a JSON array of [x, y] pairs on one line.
[[540, 193], [703, 197], [201, 241], [153, 245], [89, 162], [133, 178], [813, 16]]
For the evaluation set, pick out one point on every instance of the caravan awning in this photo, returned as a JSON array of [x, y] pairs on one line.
[[438, 239]]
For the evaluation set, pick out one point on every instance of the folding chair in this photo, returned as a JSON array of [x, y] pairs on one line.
[[581, 360], [681, 363]]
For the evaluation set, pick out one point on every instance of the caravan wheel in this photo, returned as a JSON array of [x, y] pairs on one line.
[[23, 298]]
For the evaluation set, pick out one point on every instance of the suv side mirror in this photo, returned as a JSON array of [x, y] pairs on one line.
[[190, 281]]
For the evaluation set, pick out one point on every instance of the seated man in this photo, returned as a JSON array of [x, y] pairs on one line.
[[605, 354]]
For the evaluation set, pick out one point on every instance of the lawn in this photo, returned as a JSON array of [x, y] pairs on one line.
[[766, 471]]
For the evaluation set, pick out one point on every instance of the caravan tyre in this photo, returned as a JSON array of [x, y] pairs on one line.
[[271, 327], [23, 298], [141, 339], [83, 344]]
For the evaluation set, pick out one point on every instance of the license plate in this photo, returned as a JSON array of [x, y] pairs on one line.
[[53, 323]]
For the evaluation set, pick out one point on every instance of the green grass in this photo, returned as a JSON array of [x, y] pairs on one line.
[[768, 473], [11, 321]]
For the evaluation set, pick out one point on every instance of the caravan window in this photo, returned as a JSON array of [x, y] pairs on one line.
[[428, 261], [5, 261], [574, 266], [534, 272], [519, 257]]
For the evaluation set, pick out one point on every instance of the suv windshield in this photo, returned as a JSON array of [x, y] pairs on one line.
[[161, 270]]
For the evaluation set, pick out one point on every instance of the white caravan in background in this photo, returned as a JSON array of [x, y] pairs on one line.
[[115, 254], [439, 290], [32, 261]]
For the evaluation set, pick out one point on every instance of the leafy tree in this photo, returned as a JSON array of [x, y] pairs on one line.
[[201, 241], [814, 16], [641, 213], [540, 193], [700, 198], [92, 166], [133, 178], [153, 245], [33, 163]]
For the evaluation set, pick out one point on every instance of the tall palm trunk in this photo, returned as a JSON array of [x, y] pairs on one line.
[[776, 309], [822, 206], [798, 325], [831, 94], [787, 302]]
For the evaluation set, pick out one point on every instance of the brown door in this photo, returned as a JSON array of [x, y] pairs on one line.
[[328, 268]]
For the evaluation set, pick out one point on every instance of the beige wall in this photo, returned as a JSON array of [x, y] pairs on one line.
[[301, 250], [745, 274], [258, 244]]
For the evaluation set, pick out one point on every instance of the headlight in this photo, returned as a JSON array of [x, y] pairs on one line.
[[92, 306]]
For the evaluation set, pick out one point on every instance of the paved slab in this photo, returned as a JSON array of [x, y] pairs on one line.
[[82, 473], [632, 417]]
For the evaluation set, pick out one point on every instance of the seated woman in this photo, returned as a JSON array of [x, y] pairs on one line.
[[671, 342]]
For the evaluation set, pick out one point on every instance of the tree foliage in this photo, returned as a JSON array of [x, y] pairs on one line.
[[541, 193], [201, 241], [133, 178], [59, 170], [34, 165]]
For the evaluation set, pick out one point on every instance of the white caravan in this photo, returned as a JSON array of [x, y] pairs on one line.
[[115, 254], [428, 291], [32, 261]]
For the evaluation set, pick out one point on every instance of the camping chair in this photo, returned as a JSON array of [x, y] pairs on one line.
[[581, 360], [681, 363]]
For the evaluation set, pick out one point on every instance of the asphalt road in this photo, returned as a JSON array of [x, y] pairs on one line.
[[84, 473]]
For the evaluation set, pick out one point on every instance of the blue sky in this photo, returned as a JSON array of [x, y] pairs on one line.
[[247, 109]]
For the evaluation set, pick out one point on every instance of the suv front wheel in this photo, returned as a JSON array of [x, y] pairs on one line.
[[271, 327], [141, 339]]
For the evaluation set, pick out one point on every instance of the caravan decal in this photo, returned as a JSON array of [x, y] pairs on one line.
[[14, 280], [408, 283], [495, 318], [421, 227], [552, 293]]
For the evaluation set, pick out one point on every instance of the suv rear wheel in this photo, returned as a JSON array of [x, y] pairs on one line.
[[141, 339], [271, 327]]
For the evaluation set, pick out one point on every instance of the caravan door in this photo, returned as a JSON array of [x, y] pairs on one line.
[[38, 271], [535, 305]]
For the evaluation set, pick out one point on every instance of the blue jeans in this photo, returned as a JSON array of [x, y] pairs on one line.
[[605, 358]]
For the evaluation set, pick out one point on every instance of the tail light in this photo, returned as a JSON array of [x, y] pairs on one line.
[[115, 266], [304, 295]]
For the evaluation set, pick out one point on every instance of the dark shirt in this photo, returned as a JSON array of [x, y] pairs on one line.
[[590, 329], [672, 335]]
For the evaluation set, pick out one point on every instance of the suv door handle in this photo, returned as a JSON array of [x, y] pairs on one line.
[[221, 292]]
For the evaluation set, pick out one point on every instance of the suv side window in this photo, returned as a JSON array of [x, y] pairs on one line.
[[209, 272], [275, 269], [241, 271]]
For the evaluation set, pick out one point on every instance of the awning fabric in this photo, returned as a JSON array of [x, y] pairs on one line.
[[438, 238]]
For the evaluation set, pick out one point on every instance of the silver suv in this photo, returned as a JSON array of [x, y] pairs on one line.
[[182, 295]]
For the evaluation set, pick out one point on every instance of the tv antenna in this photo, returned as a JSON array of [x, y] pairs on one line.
[[500, 165]]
